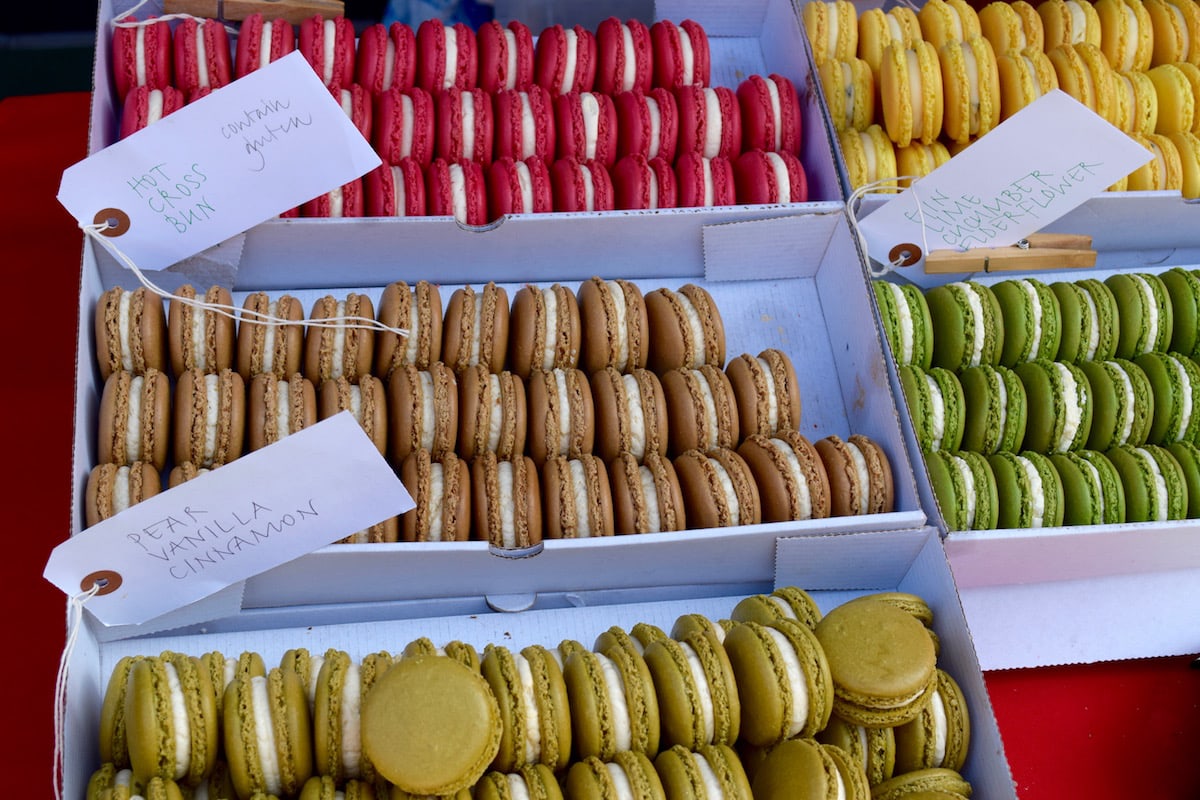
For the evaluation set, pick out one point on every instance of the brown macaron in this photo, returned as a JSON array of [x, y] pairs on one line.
[[131, 332], [384, 532], [209, 417], [475, 328], [631, 413], [702, 409], [183, 472], [718, 489], [615, 331], [545, 330], [790, 474], [860, 476], [341, 349], [112, 488], [491, 413], [279, 407], [562, 420], [422, 410], [646, 495], [417, 310], [366, 400], [200, 338], [441, 488], [767, 392], [267, 347], [140, 404], [685, 327], [576, 498], [506, 501]]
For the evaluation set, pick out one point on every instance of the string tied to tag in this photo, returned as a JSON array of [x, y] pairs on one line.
[[904, 254], [75, 606], [123, 20]]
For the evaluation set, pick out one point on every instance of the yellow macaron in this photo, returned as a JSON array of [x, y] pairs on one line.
[[1176, 103], [1024, 77], [1192, 73], [832, 29], [910, 90], [849, 91], [878, 28], [1011, 26], [1084, 74], [971, 88], [1069, 22], [1137, 101], [1188, 145], [1162, 172], [869, 156], [948, 21], [1176, 25], [1126, 33], [918, 160]]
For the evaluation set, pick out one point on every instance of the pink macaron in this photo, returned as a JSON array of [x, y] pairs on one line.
[[681, 56], [579, 185], [647, 124], [202, 56], [344, 201], [585, 127], [625, 57], [565, 60], [144, 106], [710, 122], [333, 63], [457, 189], [642, 183], [463, 125], [770, 110], [386, 57], [518, 187], [506, 56], [395, 190], [446, 56], [356, 102], [524, 124], [261, 41], [762, 176], [141, 55], [403, 125], [701, 181]]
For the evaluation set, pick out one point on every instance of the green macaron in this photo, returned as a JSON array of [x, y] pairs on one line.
[[904, 317], [936, 780], [325, 787], [1175, 383], [1090, 320], [702, 772], [1146, 321], [935, 406], [1092, 490], [462, 652], [277, 703], [784, 602], [335, 721], [1032, 320], [1155, 487], [1060, 408], [850, 776], [874, 749], [171, 722], [1183, 287], [531, 782], [114, 749], [534, 713], [697, 694], [1188, 456], [1122, 403], [797, 769], [692, 622], [996, 409], [940, 736], [1028, 489], [968, 327], [965, 489], [612, 703], [628, 774]]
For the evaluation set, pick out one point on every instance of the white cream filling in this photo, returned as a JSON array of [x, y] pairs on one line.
[[330, 48], [428, 408], [589, 188], [139, 55], [510, 59], [437, 488], [703, 691], [841, 785], [564, 410], [1185, 397], [695, 326], [264, 48], [571, 46], [579, 496], [477, 334], [264, 735], [528, 131], [133, 422], [782, 180], [339, 342], [776, 111], [1127, 403], [533, 725], [351, 730], [686, 55], [614, 683], [1074, 398], [637, 417], [1078, 24], [712, 124], [979, 331], [212, 413], [709, 189], [708, 436], [864, 476], [356, 403], [412, 340], [1160, 485], [589, 107], [940, 729], [650, 500], [508, 532], [619, 323], [154, 106], [407, 131], [803, 494], [727, 491], [971, 497], [201, 57], [904, 322], [772, 396], [1036, 494], [629, 74], [621, 785], [389, 62], [895, 34], [1000, 392], [785, 610], [550, 301], [346, 99], [335, 202], [468, 125], [1093, 477], [495, 412], [283, 408], [936, 413], [517, 788], [915, 92], [708, 777], [1035, 312], [123, 332], [1093, 325], [972, 87], [868, 149], [180, 721], [400, 205], [1181, 28], [1151, 310], [451, 56], [1129, 52], [652, 183], [120, 490], [795, 679], [199, 350], [831, 27]]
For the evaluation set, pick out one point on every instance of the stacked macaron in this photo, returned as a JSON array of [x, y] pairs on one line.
[[785, 701], [1044, 404]]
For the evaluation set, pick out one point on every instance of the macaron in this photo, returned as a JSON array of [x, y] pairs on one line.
[[631, 413], [342, 201], [769, 107], [1085, 74], [1188, 145], [591, 778], [518, 187], [766, 392], [710, 121], [338, 334], [874, 749], [441, 488], [1146, 322], [1090, 320], [337, 703], [910, 83], [945, 21], [112, 488], [707, 770], [491, 413], [1126, 33], [565, 59], [423, 410], [131, 332], [1175, 26], [690, 623], [941, 735], [1183, 287], [718, 489], [1188, 456], [576, 497], [779, 703], [680, 54], [463, 125], [1174, 380], [1092, 490], [366, 400], [524, 124], [113, 746], [265, 342], [457, 189], [506, 56], [686, 328], [702, 182], [1032, 320], [647, 124], [970, 87], [356, 102], [860, 475], [849, 91], [135, 420], [968, 325], [640, 183], [938, 783], [996, 409], [535, 717], [534, 781], [460, 651], [646, 495], [615, 328], [624, 56], [447, 56], [327, 43], [475, 327], [791, 477], [1011, 26], [171, 722], [702, 408], [870, 159], [141, 55], [697, 694], [203, 58], [904, 317], [386, 57], [403, 125], [1069, 22], [1025, 75], [614, 707], [1155, 486], [1176, 102], [585, 127], [506, 501], [209, 422], [1137, 101], [878, 28], [144, 106], [544, 329], [783, 602], [1060, 406], [261, 41], [832, 29], [200, 337], [430, 725], [416, 310], [183, 472], [767, 177], [278, 407], [936, 406], [1123, 403], [965, 488], [395, 190], [881, 661], [1164, 170], [562, 418], [1028, 489], [324, 787], [581, 185]]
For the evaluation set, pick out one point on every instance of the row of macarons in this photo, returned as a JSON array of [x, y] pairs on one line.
[[564, 717]]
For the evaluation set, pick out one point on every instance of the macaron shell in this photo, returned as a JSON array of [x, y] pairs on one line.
[[633, 511], [996, 409], [366, 400], [509, 107], [462, 322], [672, 666], [442, 517], [563, 517], [505, 55], [136, 482], [433, 73], [718, 489], [481, 395], [191, 73], [313, 45], [146, 333], [615, 333], [407, 407], [761, 128], [581, 185], [670, 63], [249, 55], [1188, 456], [556, 48], [531, 343], [357, 341], [631, 413], [375, 44], [417, 311], [699, 108], [144, 106], [766, 392], [1025, 482], [971, 87], [1154, 482], [1089, 314], [686, 328], [403, 125], [1146, 321], [491, 516], [947, 21], [1032, 319], [966, 318], [217, 330], [287, 341], [1183, 288], [264, 425], [155, 49], [687, 394], [548, 407], [1174, 380], [776, 462], [618, 68]]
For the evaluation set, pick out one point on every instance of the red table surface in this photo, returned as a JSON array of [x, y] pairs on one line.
[[1115, 730]]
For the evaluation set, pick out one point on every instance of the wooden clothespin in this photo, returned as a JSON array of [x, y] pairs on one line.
[[293, 11], [1038, 251]]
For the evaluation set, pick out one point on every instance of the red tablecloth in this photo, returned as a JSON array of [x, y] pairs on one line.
[[1117, 730]]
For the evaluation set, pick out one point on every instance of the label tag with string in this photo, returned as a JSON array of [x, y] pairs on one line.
[[247, 152], [1010, 183], [307, 490]]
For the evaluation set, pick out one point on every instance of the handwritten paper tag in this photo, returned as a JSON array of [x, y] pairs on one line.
[[268, 507], [1037, 165], [249, 151]]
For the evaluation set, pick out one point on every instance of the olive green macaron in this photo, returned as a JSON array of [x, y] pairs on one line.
[[940, 735], [157, 689], [531, 782], [697, 695], [277, 702], [540, 737], [784, 602], [590, 778], [612, 701], [693, 774]]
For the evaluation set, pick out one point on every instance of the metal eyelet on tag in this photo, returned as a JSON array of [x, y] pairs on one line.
[[116, 220], [904, 255], [106, 580]]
